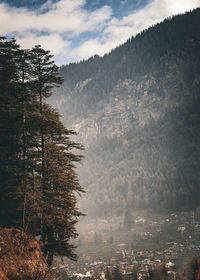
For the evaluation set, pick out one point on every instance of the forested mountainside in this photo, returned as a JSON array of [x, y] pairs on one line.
[[137, 111]]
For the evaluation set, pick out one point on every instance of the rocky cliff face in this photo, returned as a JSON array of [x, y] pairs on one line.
[[140, 125], [130, 104]]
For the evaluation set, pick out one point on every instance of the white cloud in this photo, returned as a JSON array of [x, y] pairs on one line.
[[118, 31], [69, 18], [53, 42], [62, 16], [153, 13], [91, 47]]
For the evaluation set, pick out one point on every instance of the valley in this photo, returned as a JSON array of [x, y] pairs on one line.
[[149, 241]]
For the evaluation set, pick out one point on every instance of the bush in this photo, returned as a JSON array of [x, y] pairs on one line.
[[21, 257]]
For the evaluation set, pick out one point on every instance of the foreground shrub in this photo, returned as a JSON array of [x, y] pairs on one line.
[[21, 257]]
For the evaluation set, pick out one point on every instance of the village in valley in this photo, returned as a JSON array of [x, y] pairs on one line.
[[134, 245]]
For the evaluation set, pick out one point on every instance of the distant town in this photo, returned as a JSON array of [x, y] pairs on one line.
[[148, 243]]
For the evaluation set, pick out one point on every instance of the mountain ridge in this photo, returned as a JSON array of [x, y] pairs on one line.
[[137, 112]]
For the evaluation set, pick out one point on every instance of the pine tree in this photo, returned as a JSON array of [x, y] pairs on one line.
[[116, 273], [26, 101], [45, 77], [150, 271], [58, 180], [18, 141], [128, 219], [60, 186], [192, 268], [39, 185], [108, 274], [10, 127]]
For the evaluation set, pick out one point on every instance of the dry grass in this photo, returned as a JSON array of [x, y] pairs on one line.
[[21, 257]]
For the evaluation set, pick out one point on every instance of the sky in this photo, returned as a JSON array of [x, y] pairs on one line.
[[74, 30]]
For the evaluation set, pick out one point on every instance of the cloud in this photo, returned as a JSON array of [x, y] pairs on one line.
[[62, 16], [91, 47], [117, 31], [58, 25], [151, 14], [53, 42]]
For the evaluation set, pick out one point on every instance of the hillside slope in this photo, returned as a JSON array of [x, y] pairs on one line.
[[21, 256], [137, 111]]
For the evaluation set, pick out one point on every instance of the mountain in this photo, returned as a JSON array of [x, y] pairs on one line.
[[137, 111]]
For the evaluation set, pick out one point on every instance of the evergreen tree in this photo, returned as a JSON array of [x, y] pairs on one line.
[[39, 184], [134, 275], [27, 103], [97, 238], [150, 271], [108, 274], [59, 189], [192, 269], [116, 273], [10, 130], [128, 219], [58, 180]]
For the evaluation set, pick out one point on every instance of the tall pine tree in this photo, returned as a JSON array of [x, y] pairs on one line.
[[10, 128], [39, 186]]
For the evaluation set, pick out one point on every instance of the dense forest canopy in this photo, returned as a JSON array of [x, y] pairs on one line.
[[137, 111], [39, 185], [152, 51]]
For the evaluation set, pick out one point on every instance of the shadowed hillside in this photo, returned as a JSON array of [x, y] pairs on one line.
[[137, 111]]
